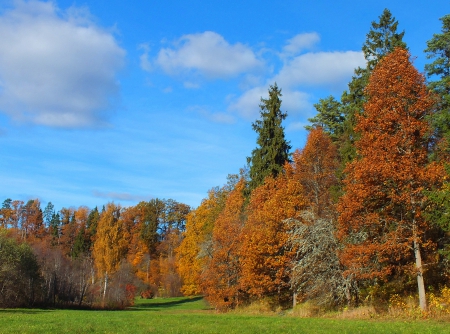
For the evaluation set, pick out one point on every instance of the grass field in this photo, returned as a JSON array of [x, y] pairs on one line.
[[192, 315]]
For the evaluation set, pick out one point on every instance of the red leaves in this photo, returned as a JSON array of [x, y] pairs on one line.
[[380, 212]]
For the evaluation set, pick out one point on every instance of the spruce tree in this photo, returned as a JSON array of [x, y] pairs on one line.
[[273, 149], [438, 48]]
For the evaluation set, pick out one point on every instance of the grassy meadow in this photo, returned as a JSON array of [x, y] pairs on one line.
[[192, 315]]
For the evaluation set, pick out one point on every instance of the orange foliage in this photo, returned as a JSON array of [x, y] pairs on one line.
[[111, 242], [264, 255], [315, 168], [192, 254], [220, 280], [381, 210]]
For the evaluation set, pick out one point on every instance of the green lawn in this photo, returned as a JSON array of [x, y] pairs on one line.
[[185, 315]]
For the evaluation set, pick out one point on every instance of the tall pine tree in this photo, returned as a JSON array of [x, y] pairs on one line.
[[438, 48], [273, 149]]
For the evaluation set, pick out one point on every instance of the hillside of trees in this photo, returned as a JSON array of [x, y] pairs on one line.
[[359, 216]]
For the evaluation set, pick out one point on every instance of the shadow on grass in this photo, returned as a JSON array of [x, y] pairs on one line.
[[160, 304], [23, 311]]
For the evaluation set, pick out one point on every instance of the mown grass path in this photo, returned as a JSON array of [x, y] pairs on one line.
[[192, 315]]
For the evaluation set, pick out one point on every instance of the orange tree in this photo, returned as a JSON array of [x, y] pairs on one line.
[[265, 256], [381, 213], [194, 251], [220, 279], [316, 166], [111, 243]]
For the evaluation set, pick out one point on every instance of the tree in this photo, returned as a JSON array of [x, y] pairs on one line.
[[220, 279], [54, 229], [381, 218], [382, 39], [6, 213], [273, 150], [32, 224], [110, 243], [315, 169], [19, 273], [195, 251], [151, 216], [329, 117], [317, 273], [438, 49], [265, 255], [48, 213]]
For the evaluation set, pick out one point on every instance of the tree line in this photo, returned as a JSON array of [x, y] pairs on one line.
[[359, 215], [79, 257]]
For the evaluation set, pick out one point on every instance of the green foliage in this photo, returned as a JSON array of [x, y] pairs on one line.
[[329, 117], [54, 228], [439, 50], [48, 213], [273, 150], [19, 273], [438, 212], [81, 244], [152, 213], [382, 39]]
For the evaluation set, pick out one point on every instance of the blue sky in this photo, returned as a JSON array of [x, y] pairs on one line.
[[125, 101]]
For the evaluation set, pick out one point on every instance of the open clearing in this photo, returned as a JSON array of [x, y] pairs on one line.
[[192, 315]]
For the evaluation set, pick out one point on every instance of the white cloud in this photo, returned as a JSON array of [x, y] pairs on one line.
[[329, 69], [120, 196], [247, 105], [191, 85], [209, 54], [301, 42], [300, 74], [143, 59], [216, 117], [56, 68]]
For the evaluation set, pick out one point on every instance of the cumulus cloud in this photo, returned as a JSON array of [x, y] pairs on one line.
[[330, 69], [209, 54], [300, 43], [121, 196], [247, 105], [56, 68], [216, 117], [143, 58]]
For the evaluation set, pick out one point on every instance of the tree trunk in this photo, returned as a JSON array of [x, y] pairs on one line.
[[106, 283], [420, 282]]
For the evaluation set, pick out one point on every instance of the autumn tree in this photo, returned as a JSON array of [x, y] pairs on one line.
[[6, 213], [110, 244], [315, 168], [381, 218], [273, 150], [32, 226], [381, 39], [316, 271], [220, 279], [265, 255], [195, 251]]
